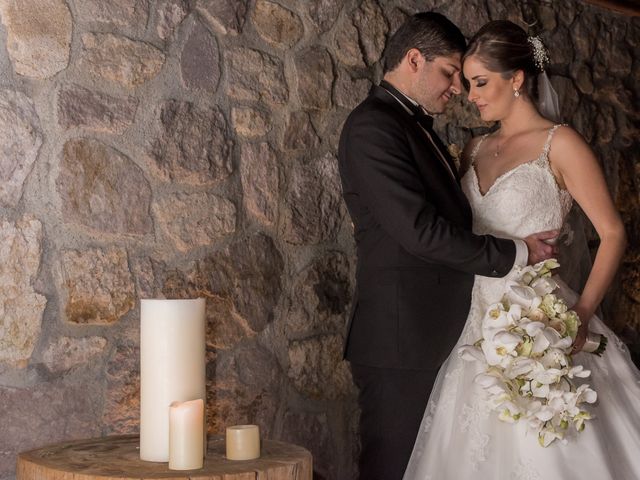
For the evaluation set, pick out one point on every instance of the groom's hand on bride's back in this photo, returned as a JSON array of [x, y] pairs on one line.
[[541, 246]]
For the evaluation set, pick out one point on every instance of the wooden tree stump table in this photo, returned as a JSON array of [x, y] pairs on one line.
[[118, 457]]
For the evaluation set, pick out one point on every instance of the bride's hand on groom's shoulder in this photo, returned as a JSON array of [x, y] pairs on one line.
[[540, 246]]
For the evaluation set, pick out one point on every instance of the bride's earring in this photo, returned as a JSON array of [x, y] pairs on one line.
[[516, 93]]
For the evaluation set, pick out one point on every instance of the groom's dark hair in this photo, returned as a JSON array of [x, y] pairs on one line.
[[433, 34]]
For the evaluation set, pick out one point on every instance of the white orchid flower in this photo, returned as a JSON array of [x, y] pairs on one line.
[[554, 358], [547, 437], [525, 347], [535, 424], [506, 416], [520, 366], [563, 344], [545, 413], [570, 400], [522, 295], [540, 343], [496, 400], [496, 313], [580, 418], [495, 319], [552, 336], [544, 285], [496, 388], [556, 403], [527, 274], [578, 371], [495, 354], [514, 314], [539, 390], [526, 389], [486, 380], [507, 340], [586, 394], [548, 376], [533, 328], [532, 407]]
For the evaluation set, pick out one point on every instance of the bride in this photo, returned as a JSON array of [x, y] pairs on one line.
[[522, 179]]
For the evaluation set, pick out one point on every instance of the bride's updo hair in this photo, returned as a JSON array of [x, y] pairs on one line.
[[504, 47]]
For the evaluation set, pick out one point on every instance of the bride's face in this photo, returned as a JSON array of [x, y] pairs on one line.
[[491, 93]]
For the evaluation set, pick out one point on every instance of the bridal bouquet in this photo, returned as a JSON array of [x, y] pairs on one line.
[[526, 347]]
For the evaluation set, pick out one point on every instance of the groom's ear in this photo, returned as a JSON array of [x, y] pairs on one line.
[[414, 58]]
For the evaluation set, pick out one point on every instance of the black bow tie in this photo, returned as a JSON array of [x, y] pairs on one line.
[[420, 115]]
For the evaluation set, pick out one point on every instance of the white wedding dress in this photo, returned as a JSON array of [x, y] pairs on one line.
[[460, 438]]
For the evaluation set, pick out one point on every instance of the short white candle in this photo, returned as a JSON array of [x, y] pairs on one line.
[[186, 436], [172, 367], [243, 442]]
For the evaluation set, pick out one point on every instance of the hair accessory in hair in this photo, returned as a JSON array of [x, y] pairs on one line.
[[540, 56]]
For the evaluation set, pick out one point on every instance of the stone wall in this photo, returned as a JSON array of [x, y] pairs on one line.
[[185, 148]]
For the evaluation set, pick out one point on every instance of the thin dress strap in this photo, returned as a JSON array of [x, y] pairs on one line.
[[474, 152], [547, 144]]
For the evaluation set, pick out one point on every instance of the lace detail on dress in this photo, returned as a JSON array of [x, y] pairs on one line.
[[474, 152], [621, 345], [525, 470], [449, 390], [547, 144], [472, 414], [473, 327], [428, 419], [521, 201], [479, 448]]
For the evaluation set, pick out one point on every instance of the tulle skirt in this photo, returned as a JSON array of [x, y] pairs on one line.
[[461, 439]]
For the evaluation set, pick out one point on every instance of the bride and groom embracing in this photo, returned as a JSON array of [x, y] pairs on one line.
[[433, 246]]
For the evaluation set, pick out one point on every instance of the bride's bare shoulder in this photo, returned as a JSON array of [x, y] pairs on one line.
[[565, 137], [569, 149]]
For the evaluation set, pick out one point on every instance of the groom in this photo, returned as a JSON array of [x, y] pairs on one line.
[[416, 253]]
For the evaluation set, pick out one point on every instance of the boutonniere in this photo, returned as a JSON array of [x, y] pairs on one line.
[[455, 151]]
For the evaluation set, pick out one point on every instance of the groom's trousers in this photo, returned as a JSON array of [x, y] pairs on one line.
[[392, 404]]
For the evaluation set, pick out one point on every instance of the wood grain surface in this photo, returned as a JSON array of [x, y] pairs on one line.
[[117, 457]]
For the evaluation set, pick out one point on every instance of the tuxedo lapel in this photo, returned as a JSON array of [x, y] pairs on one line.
[[447, 157], [423, 121]]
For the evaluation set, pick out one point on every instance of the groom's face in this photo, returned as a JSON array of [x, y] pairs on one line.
[[437, 81]]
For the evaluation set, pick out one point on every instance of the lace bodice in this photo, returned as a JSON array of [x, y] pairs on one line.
[[522, 201]]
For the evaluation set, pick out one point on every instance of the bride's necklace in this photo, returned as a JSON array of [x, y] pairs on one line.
[[500, 146]]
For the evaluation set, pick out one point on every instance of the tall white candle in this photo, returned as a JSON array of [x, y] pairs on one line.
[[172, 367], [186, 435]]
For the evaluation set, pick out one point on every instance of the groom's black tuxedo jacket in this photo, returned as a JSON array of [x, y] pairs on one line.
[[412, 226]]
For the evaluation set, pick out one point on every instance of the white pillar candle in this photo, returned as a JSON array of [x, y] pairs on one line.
[[243, 442], [172, 367], [186, 435]]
